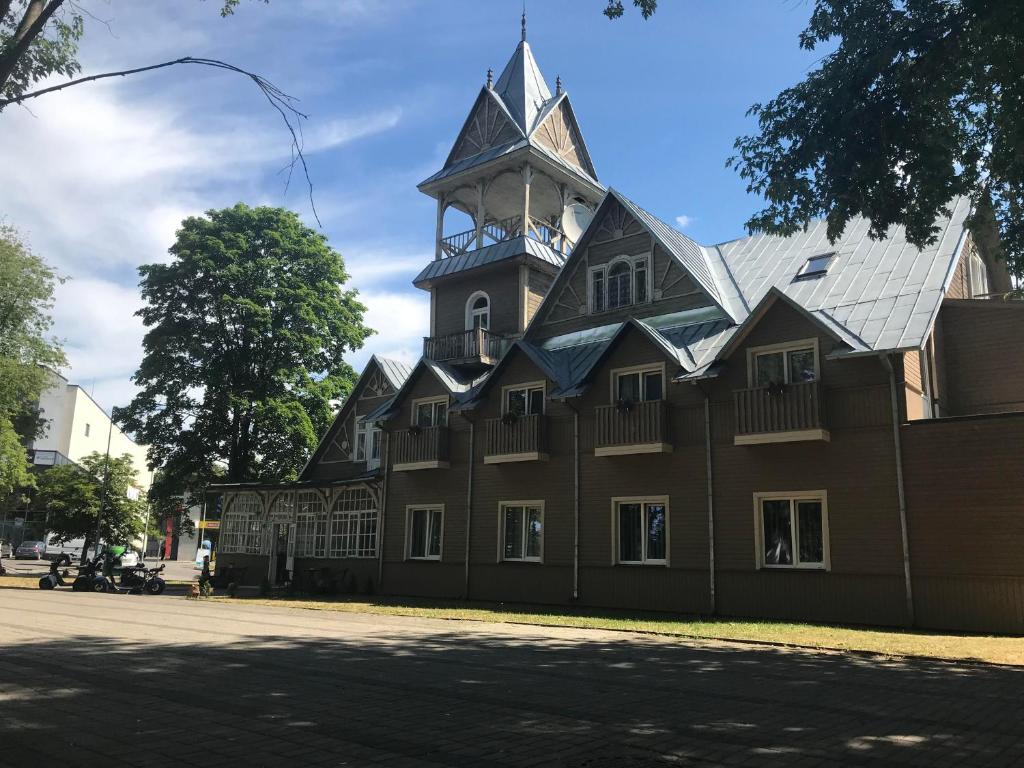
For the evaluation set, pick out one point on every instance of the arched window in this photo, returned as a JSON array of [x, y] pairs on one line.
[[620, 293], [478, 311]]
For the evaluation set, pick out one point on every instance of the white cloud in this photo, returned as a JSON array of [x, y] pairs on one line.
[[683, 221], [401, 321]]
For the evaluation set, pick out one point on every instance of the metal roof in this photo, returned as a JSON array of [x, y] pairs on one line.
[[395, 370], [489, 254], [522, 88]]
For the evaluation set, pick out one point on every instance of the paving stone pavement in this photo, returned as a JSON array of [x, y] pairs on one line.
[[91, 680]]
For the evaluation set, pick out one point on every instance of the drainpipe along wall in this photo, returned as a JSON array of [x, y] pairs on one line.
[[575, 500], [894, 396], [383, 509], [469, 499], [710, 500]]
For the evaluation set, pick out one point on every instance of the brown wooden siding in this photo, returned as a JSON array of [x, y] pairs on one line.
[[982, 356], [500, 283], [965, 506]]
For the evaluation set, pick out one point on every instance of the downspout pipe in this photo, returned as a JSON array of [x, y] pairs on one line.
[[712, 605], [383, 509], [469, 500], [894, 396]]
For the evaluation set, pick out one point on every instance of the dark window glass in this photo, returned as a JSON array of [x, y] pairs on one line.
[[516, 401], [652, 386], [801, 365], [536, 401], [809, 532], [418, 545], [514, 533], [778, 544], [640, 280], [434, 542], [619, 294], [656, 537], [628, 387], [597, 291], [630, 533], [769, 368], [534, 531]]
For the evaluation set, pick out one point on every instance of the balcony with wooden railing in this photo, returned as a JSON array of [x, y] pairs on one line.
[[780, 413], [515, 438], [632, 428], [476, 346], [498, 231], [420, 448]]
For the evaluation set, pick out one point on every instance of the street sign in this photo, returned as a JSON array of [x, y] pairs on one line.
[[210, 525]]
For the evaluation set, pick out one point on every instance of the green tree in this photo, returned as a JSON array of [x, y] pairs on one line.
[[919, 102], [77, 497], [615, 8], [248, 327], [26, 350]]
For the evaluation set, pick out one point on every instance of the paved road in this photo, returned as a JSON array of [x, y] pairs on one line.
[[90, 680]]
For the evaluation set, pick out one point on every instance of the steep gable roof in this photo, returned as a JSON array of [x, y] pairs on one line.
[[522, 88], [452, 379]]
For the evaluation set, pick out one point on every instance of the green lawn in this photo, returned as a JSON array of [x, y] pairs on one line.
[[885, 642]]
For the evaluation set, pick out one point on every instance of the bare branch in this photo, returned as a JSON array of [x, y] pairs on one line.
[[278, 99]]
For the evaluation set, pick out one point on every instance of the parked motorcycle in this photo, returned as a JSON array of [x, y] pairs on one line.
[[55, 578], [138, 579], [91, 579]]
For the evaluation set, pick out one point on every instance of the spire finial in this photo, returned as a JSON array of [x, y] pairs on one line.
[[558, 85], [490, 77], [524, 22]]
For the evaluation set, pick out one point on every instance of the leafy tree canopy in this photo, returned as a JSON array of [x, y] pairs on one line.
[[248, 328], [615, 8], [73, 497], [26, 297], [919, 102]]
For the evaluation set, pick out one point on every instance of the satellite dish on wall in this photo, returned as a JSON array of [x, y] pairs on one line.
[[575, 219]]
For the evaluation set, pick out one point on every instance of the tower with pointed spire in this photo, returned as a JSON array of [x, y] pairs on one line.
[[521, 180]]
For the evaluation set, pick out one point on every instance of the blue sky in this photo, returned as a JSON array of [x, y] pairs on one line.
[[98, 177]]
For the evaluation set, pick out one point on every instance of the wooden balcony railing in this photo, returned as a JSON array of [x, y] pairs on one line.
[[519, 439], [474, 346], [780, 413], [632, 428], [421, 448], [499, 232]]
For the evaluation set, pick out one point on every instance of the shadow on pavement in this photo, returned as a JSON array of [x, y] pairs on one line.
[[473, 698]]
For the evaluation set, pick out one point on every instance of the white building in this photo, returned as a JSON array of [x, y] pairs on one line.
[[76, 425]]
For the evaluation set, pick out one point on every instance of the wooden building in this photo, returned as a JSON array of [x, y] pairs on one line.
[[608, 413]]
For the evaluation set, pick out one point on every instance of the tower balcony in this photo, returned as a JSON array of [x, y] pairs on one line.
[[477, 346], [500, 231]]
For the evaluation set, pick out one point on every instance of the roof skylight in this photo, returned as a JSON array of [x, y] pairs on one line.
[[816, 265]]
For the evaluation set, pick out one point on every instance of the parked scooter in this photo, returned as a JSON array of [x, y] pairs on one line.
[[55, 578], [91, 579], [139, 579]]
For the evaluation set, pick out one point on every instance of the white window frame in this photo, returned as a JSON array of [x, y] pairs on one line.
[[374, 438], [617, 501], [529, 387], [502, 506], [312, 525], [977, 275], [410, 509], [793, 497], [784, 347], [805, 270], [359, 443], [640, 369], [471, 313], [603, 269], [429, 401]]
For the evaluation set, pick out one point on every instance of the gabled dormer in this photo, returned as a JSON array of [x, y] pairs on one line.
[[515, 192]]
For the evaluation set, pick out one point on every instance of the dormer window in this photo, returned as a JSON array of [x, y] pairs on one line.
[[478, 311], [622, 282], [816, 265]]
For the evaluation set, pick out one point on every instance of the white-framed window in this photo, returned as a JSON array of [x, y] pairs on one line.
[[640, 384], [311, 524], [523, 399], [622, 282], [522, 530], [640, 530], [430, 412], [241, 527], [978, 275], [816, 265], [352, 531], [792, 530], [790, 363], [424, 532], [367, 444], [478, 311]]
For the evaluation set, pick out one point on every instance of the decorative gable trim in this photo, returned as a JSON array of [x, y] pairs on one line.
[[559, 131], [489, 124]]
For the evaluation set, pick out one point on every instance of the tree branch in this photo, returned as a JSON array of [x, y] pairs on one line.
[[32, 23], [278, 99]]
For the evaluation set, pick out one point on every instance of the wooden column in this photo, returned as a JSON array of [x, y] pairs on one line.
[[527, 178], [440, 227], [481, 214]]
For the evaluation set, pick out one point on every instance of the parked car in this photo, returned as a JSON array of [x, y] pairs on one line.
[[30, 550], [130, 558]]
